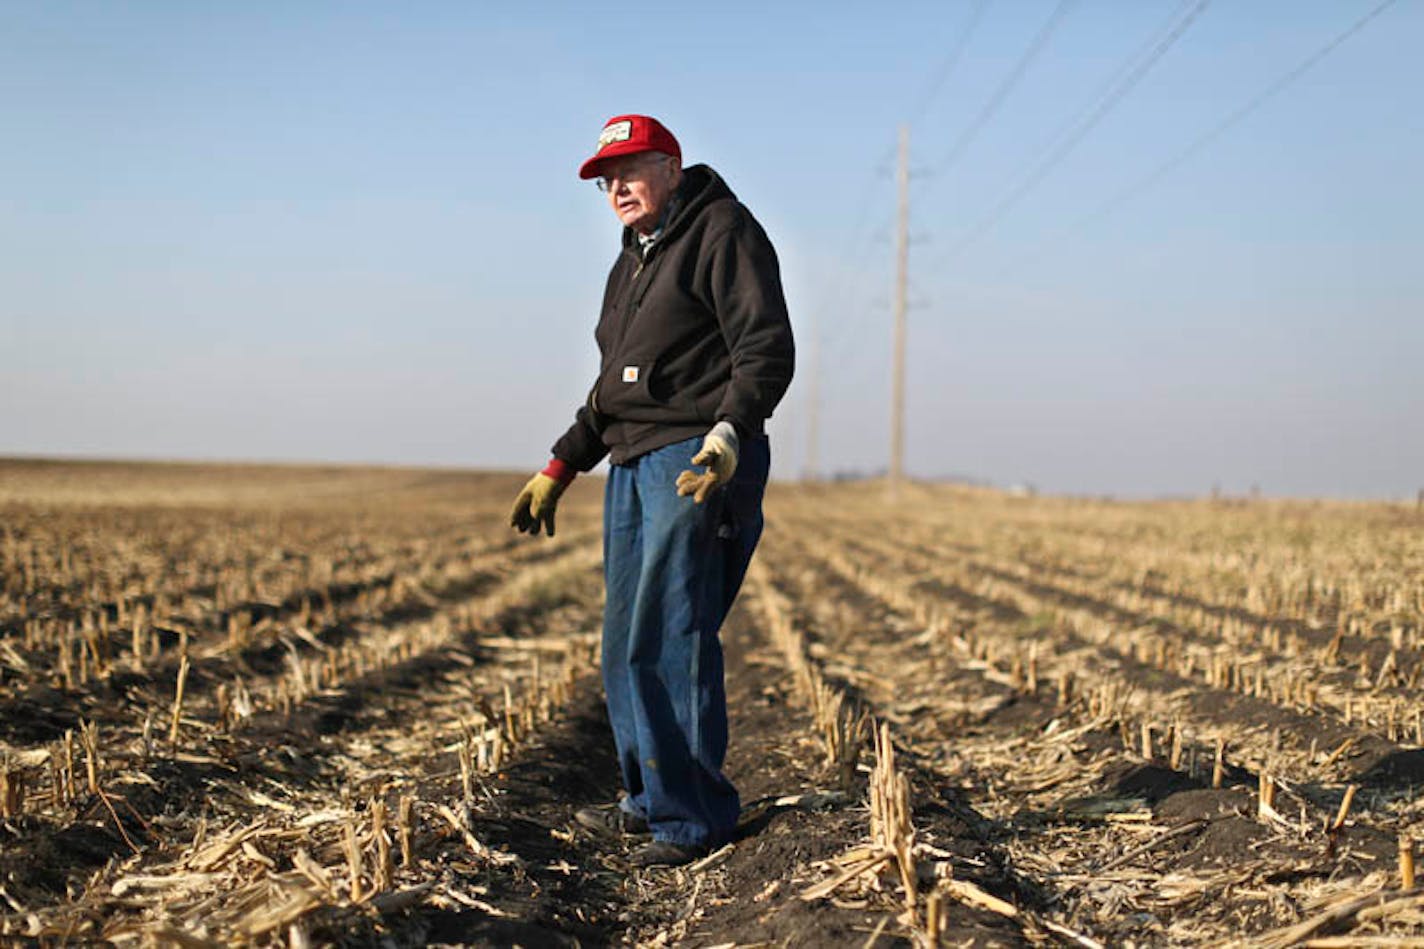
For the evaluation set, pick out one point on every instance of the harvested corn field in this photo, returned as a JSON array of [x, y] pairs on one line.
[[349, 706]]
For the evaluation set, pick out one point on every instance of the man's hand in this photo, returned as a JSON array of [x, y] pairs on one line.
[[719, 454], [535, 505]]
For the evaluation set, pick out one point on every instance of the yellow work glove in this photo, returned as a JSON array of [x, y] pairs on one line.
[[536, 504], [719, 454]]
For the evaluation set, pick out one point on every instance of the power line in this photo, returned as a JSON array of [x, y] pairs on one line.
[[1070, 135], [951, 60], [1202, 141], [1120, 75], [1006, 86], [1236, 117], [1076, 133]]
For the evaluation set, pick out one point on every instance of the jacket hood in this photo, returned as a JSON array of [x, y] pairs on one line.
[[700, 187]]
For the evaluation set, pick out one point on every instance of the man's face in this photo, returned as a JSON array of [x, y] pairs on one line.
[[639, 187]]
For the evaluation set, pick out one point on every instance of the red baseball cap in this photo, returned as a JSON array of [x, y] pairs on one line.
[[629, 135]]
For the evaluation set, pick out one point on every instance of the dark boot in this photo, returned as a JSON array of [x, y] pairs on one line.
[[660, 853], [610, 820]]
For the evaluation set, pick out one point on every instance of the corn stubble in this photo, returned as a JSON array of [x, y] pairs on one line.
[[1262, 659], [1274, 646], [228, 614]]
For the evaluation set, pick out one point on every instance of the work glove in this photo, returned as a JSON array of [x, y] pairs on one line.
[[719, 454], [535, 504]]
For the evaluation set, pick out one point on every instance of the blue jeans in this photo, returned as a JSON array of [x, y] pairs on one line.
[[671, 570]]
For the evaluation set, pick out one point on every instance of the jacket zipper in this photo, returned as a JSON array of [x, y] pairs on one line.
[[634, 299]]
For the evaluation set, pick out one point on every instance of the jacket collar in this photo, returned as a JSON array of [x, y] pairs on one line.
[[700, 186]]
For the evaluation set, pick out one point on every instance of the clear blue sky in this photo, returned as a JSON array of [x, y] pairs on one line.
[[346, 231]]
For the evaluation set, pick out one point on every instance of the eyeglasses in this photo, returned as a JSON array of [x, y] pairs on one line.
[[634, 171]]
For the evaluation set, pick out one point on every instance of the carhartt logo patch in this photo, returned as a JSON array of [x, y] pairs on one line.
[[615, 132], [630, 373]]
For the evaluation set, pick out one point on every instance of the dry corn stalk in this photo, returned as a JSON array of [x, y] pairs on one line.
[[314, 872], [466, 754], [12, 791], [89, 738], [183, 668], [842, 730], [890, 824], [385, 869], [1344, 810], [934, 917], [352, 848], [403, 823], [1266, 797]]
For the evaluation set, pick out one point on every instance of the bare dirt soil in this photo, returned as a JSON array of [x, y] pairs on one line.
[[312, 706]]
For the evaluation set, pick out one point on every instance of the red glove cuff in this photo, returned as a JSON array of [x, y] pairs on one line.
[[560, 470]]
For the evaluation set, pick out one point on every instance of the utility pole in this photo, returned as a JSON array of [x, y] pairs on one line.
[[902, 267], [812, 470]]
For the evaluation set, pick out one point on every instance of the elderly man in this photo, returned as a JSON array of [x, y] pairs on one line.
[[696, 352]]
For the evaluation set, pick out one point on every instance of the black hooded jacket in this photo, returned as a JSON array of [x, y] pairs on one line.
[[694, 333]]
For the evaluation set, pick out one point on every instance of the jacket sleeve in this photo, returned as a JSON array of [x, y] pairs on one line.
[[582, 445], [751, 310]]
